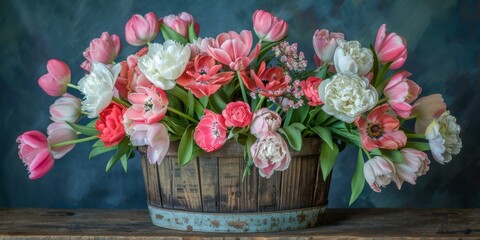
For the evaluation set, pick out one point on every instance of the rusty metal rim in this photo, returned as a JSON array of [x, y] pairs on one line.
[[236, 222]]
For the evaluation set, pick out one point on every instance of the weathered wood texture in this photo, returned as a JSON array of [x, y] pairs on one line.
[[213, 182], [339, 223]]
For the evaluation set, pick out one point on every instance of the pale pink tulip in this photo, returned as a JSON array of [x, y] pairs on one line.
[[55, 82], [149, 105], [140, 30], [155, 137], [59, 132], [211, 132], [104, 49], [180, 23], [33, 149], [264, 120], [426, 109], [268, 27], [380, 130], [378, 172], [234, 49], [390, 48], [66, 108], [270, 153], [415, 164], [325, 43], [401, 92]]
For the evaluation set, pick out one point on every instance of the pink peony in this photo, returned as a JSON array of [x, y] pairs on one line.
[[140, 30], [155, 137], [270, 153], [234, 49], [390, 48], [264, 120], [310, 90], [237, 114], [110, 125], [180, 23], [104, 49], [33, 149], [55, 82], [380, 130], [401, 92], [378, 172], [269, 27], [426, 109], [202, 76], [59, 132], [325, 43], [211, 132], [415, 164], [267, 82], [149, 105], [66, 108]]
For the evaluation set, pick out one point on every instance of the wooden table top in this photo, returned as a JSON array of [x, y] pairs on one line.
[[24, 223]]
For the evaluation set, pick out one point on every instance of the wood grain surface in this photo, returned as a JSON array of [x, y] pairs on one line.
[[339, 223]]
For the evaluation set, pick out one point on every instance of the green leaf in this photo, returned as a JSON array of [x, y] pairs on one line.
[[192, 36], [169, 33], [185, 148], [293, 135], [100, 150], [327, 159], [358, 179], [123, 148], [89, 131], [325, 134], [421, 146], [394, 155]]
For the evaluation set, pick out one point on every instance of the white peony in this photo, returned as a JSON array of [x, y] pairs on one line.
[[346, 97], [163, 64], [351, 59], [97, 87], [443, 137]]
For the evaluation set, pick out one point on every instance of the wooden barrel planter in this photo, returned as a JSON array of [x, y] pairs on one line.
[[208, 194]]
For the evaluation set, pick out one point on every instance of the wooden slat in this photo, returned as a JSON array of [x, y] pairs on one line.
[[249, 188], [229, 184], [150, 174], [269, 192], [339, 223], [186, 191], [208, 168], [166, 178]]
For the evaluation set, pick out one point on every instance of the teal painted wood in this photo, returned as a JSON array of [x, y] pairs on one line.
[[237, 222]]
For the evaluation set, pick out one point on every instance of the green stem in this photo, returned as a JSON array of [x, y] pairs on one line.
[[182, 114], [73, 86], [242, 87], [259, 103], [73, 142], [120, 101], [414, 135]]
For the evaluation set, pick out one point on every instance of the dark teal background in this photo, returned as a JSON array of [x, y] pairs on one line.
[[443, 42]]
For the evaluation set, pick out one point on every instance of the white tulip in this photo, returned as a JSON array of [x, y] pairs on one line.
[[97, 87], [163, 64], [443, 137], [346, 97], [351, 59]]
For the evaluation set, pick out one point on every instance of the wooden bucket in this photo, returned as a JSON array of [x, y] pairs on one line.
[[208, 194]]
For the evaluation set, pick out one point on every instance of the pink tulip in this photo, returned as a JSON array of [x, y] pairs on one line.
[[211, 132], [401, 92], [66, 108], [104, 49], [55, 82], [270, 153], [180, 23], [415, 164], [378, 172], [380, 130], [203, 77], [233, 49], [390, 48], [140, 30], [155, 137], [325, 43], [426, 109], [269, 27], [59, 132], [264, 120], [34, 151], [149, 105]]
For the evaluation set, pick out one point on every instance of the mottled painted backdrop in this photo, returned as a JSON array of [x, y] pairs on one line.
[[443, 43]]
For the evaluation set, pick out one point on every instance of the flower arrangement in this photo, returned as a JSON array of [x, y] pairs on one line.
[[205, 91]]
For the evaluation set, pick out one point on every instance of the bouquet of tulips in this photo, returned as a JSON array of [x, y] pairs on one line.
[[205, 91]]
